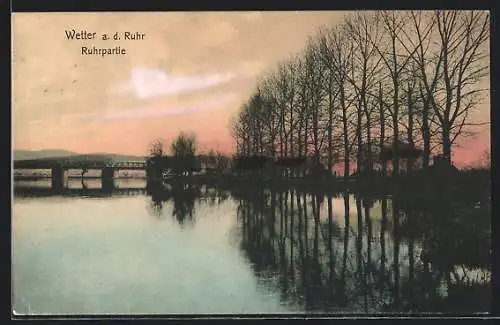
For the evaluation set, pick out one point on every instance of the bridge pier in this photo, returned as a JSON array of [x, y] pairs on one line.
[[107, 173], [107, 178], [57, 177]]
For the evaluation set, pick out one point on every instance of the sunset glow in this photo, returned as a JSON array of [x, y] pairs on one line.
[[192, 72], [251, 163]]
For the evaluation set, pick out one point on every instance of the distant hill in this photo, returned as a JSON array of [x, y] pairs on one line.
[[54, 153], [46, 153]]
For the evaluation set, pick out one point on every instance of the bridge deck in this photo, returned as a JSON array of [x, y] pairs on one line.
[[78, 164]]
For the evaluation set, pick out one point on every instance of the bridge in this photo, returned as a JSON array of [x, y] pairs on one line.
[[59, 165], [69, 163]]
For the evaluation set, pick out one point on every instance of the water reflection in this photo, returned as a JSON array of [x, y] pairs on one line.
[[86, 187], [404, 260], [343, 252]]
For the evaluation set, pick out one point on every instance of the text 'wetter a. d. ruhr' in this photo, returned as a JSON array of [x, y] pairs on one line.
[[91, 49]]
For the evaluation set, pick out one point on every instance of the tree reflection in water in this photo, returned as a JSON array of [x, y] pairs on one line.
[[183, 198], [435, 260], [356, 253]]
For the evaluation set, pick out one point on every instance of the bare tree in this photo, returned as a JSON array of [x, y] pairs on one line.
[[337, 57], [183, 148], [332, 89], [269, 118], [410, 95], [391, 54], [421, 36], [239, 132], [376, 74], [453, 58], [462, 38], [156, 148], [382, 108], [279, 85], [302, 107], [315, 73], [364, 31], [291, 67]]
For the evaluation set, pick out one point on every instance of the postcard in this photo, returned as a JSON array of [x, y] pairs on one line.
[[251, 163]]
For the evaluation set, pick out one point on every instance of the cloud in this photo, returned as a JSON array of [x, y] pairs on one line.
[[196, 54], [149, 83], [114, 115]]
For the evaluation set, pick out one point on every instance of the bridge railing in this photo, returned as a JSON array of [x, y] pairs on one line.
[[83, 164], [128, 164]]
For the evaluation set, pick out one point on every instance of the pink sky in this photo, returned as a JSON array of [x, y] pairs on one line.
[[191, 73]]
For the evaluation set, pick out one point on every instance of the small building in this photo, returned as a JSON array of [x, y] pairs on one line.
[[251, 163], [299, 166], [156, 166], [441, 165], [404, 150]]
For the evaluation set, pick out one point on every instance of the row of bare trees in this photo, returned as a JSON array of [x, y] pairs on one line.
[[377, 79]]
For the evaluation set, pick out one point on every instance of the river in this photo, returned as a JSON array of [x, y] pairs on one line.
[[197, 250]]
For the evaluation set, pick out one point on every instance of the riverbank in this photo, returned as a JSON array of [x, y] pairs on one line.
[[416, 185]]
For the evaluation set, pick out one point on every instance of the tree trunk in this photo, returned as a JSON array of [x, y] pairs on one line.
[[409, 160], [330, 126], [330, 142], [299, 135], [395, 117], [446, 142], [369, 159], [281, 136], [291, 130], [306, 135], [315, 130], [395, 148], [285, 138], [358, 140], [426, 136], [382, 130], [345, 135]]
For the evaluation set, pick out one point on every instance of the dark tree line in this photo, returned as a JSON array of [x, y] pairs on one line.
[[378, 79]]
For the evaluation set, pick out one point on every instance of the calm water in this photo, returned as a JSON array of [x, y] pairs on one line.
[[200, 250]]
